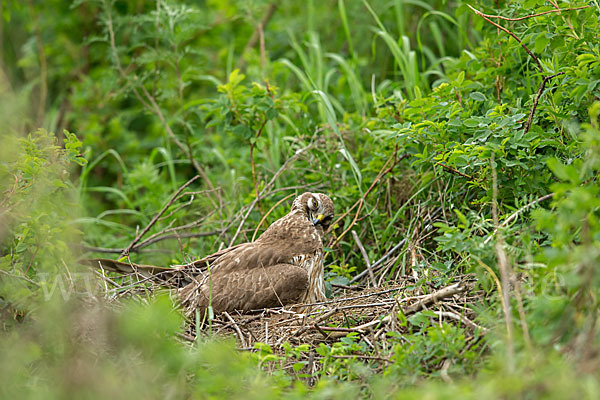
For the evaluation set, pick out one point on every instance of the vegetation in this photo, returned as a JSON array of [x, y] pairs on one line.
[[467, 132]]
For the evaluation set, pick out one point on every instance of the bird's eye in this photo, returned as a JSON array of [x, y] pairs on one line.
[[312, 203]]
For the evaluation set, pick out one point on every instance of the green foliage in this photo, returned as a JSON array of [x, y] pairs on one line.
[[160, 92], [38, 204]]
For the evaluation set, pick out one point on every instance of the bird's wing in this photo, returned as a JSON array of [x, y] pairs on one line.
[[247, 290]]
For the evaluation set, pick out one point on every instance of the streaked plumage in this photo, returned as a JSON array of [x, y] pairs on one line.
[[283, 266]]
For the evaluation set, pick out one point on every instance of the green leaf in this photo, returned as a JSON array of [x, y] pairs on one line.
[[563, 172], [477, 96], [471, 122], [271, 113]]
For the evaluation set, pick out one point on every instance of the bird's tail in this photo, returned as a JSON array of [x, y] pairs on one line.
[[166, 276]]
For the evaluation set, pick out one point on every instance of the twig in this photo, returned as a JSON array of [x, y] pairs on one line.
[[449, 168], [462, 319], [487, 18], [126, 251], [269, 212], [384, 171], [316, 321], [381, 260], [539, 94], [152, 106], [366, 257], [346, 287], [436, 296], [256, 34], [252, 145], [237, 328], [444, 371], [516, 214], [545, 78], [533, 15], [266, 189], [138, 248]]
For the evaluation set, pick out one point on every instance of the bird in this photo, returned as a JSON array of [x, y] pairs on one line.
[[282, 266]]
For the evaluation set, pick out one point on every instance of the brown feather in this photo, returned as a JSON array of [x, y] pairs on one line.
[[283, 266]]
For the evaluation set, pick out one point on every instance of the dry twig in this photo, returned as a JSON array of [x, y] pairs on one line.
[[126, 251]]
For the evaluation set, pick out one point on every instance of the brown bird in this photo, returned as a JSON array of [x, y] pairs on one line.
[[283, 266]]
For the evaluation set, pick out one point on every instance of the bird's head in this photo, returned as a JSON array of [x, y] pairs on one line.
[[317, 207]]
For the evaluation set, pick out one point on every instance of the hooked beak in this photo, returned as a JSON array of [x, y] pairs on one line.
[[317, 219]]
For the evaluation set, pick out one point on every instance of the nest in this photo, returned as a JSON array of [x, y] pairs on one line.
[[368, 314]]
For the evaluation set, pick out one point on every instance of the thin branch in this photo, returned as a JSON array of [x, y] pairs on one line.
[[266, 189], [462, 319], [257, 32], [237, 328], [157, 216], [504, 266], [150, 102], [533, 15], [381, 260], [435, 297], [455, 171], [540, 91], [487, 18], [267, 214], [516, 214], [384, 171], [366, 257]]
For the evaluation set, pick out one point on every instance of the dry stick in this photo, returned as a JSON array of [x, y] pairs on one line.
[[347, 287], [521, 311], [429, 299], [384, 171], [237, 328], [444, 371], [516, 214], [381, 260], [462, 319], [316, 322], [265, 189], [436, 296], [157, 216], [365, 256], [263, 52], [152, 106], [540, 91]]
